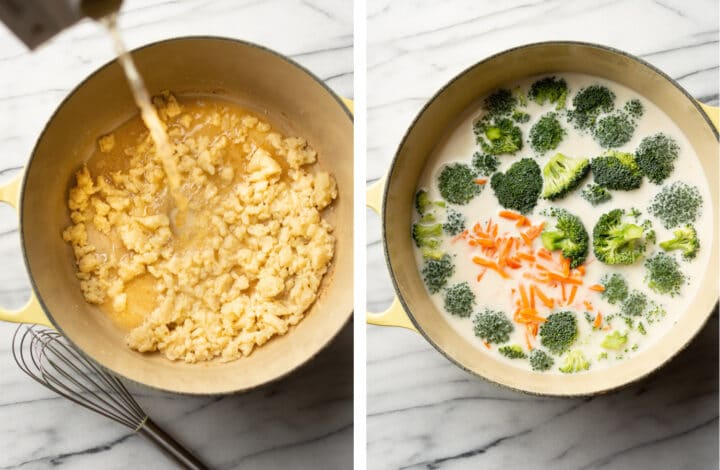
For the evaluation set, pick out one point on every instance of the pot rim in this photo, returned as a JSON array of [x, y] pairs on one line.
[[386, 190], [27, 166]]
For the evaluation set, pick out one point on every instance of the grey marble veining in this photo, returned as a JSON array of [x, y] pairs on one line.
[[302, 421], [424, 412]]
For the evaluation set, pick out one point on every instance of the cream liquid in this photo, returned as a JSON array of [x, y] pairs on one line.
[[494, 292]]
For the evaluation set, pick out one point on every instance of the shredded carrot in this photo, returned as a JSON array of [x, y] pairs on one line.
[[527, 337], [533, 277], [495, 230], [566, 267], [581, 270], [487, 345], [563, 279], [597, 288], [573, 291], [523, 221], [513, 263], [480, 276], [481, 181], [562, 287], [525, 256], [485, 242], [598, 320], [532, 296], [492, 265], [528, 241], [588, 305], [524, 296], [543, 253], [544, 298], [510, 215]]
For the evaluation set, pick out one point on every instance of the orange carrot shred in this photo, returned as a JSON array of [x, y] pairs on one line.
[[581, 269], [543, 253], [598, 320], [563, 279], [487, 345], [513, 263], [532, 296], [510, 215], [525, 256], [524, 296], [544, 298], [481, 181], [527, 337], [562, 287], [573, 291], [528, 241], [588, 305], [597, 288], [495, 230], [566, 267]]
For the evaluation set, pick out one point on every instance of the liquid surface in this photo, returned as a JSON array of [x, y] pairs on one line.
[[458, 145]]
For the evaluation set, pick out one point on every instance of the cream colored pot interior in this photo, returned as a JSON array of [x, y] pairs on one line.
[[259, 79], [431, 125]]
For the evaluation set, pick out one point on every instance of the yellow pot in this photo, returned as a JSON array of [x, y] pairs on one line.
[[259, 79], [392, 198]]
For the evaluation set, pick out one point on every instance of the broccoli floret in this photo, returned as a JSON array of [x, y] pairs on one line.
[[459, 299], [492, 326], [520, 116], [616, 241], [427, 238], [454, 222], [569, 236], [512, 351], [685, 239], [550, 90], [595, 194], [498, 135], [641, 328], [540, 360], [655, 313], [634, 108], [678, 203], [634, 305], [588, 104], [559, 332], [614, 340], [562, 174], [546, 134], [457, 185], [422, 202], [616, 288], [519, 187], [616, 170], [485, 164], [520, 95], [663, 274], [436, 272], [574, 361], [500, 102], [614, 130], [656, 157], [650, 235]]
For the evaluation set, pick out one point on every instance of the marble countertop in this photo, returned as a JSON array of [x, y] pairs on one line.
[[424, 412], [293, 423]]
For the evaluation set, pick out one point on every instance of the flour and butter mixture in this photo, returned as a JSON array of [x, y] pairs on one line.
[[240, 265]]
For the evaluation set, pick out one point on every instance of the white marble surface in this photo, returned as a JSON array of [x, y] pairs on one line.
[[303, 421], [425, 413]]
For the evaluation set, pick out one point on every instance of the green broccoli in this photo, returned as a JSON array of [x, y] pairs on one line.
[[484, 164], [498, 135], [650, 234], [616, 288], [634, 305], [569, 235], [616, 170], [663, 274], [588, 104], [540, 360], [546, 134], [520, 95], [436, 272], [550, 90], [519, 187], [616, 241], [427, 238], [656, 157], [500, 103], [563, 174], [559, 332], [492, 326], [459, 300], [454, 222], [422, 202], [595, 194], [678, 203], [685, 239], [641, 328], [634, 108], [512, 351], [614, 130], [520, 117], [614, 340], [655, 313], [574, 361], [457, 185]]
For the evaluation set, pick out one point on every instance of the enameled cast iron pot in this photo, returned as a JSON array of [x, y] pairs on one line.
[[291, 97], [392, 198]]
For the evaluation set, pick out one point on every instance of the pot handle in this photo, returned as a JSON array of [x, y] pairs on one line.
[[395, 315], [32, 312], [713, 112]]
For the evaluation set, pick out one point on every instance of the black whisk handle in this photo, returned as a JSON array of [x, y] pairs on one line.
[[170, 446]]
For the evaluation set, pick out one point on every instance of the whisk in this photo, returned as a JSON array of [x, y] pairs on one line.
[[47, 357]]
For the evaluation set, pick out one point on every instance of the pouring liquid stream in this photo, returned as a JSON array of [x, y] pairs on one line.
[[152, 121]]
